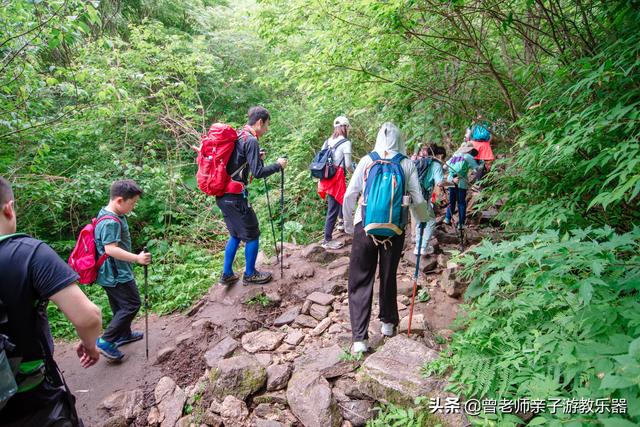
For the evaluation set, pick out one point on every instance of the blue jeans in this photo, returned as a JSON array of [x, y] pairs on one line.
[[459, 196], [428, 232]]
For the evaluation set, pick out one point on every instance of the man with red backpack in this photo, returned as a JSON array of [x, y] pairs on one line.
[[32, 389], [239, 216]]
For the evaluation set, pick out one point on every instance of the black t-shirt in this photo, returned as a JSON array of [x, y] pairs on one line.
[[30, 271], [249, 152]]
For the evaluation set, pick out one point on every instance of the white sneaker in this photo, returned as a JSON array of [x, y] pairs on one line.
[[359, 347], [332, 244], [340, 226], [388, 329]]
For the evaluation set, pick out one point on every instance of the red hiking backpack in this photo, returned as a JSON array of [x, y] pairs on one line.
[[213, 155], [84, 257]]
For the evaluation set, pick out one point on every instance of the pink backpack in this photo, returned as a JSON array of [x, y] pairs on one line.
[[84, 257]]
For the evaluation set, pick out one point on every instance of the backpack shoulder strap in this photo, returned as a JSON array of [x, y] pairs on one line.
[[339, 143], [374, 156], [103, 217], [398, 158]]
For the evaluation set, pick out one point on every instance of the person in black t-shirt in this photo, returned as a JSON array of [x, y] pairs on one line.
[[32, 274], [239, 217]]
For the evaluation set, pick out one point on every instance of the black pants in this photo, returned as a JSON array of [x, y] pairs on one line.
[[124, 300], [366, 256], [44, 406], [334, 211], [239, 217]]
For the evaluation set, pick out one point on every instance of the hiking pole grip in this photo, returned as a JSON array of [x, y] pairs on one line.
[[146, 306], [415, 276]]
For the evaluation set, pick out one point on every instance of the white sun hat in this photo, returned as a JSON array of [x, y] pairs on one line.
[[341, 121]]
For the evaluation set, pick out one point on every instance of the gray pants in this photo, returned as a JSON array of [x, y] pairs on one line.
[[124, 300], [366, 256]]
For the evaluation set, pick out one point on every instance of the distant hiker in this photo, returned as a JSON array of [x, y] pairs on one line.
[[112, 237], [431, 176], [388, 183], [239, 216], [459, 165], [480, 137], [33, 274], [333, 188]]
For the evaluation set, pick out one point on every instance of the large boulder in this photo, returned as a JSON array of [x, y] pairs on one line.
[[221, 350], [392, 374], [318, 359], [316, 253], [278, 376], [287, 317], [262, 340], [170, 400], [321, 298], [310, 399], [357, 412], [450, 281], [239, 376], [234, 412]]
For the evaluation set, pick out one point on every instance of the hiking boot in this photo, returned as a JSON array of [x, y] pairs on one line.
[[388, 329], [423, 252], [257, 278], [340, 226], [446, 221], [332, 244], [109, 350], [133, 336], [360, 347], [228, 279]]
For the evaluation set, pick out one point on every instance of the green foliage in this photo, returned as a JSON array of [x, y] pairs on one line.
[[423, 295], [347, 356], [395, 416], [577, 162], [552, 315], [260, 299]]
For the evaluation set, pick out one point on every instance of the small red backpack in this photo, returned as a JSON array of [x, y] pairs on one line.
[[84, 257], [214, 153]]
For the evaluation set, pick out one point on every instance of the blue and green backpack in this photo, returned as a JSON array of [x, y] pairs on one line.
[[382, 211]]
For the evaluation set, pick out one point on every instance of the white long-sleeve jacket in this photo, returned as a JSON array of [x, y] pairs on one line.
[[388, 143]]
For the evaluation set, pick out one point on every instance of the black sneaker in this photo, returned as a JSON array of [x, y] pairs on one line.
[[257, 278], [226, 280]]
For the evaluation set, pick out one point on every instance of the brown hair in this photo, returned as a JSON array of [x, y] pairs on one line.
[[342, 130], [6, 194]]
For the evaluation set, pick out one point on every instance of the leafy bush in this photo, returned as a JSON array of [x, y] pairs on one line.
[[577, 161], [178, 276], [552, 315]]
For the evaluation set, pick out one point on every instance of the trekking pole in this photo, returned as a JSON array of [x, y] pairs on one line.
[[273, 230], [146, 307], [282, 221], [415, 276]]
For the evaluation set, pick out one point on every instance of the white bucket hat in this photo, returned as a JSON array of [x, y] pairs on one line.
[[341, 121]]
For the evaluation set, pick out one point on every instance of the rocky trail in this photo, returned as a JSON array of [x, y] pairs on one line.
[[277, 355]]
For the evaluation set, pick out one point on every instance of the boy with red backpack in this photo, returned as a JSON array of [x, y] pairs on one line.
[[239, 216], [115, 275]]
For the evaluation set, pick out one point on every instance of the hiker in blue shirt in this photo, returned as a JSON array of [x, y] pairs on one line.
[[431, 177], [459, 165]]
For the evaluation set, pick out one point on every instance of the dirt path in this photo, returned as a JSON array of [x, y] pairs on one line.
[[222, 313]]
